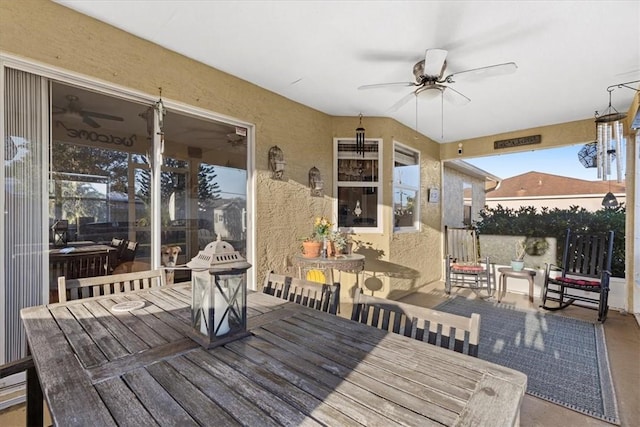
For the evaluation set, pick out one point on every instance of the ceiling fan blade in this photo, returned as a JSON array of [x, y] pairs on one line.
[[454, 97], [434, 62], [101, 116], [401, 102], [88, 120], [379, 85], [482, 72]]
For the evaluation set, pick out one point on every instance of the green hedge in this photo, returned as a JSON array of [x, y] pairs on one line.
[[530, 222]]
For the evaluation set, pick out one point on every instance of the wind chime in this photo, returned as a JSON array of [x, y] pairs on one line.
[[609, 141], [360, 138], [609, 145]]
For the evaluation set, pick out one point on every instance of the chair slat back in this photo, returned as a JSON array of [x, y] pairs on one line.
[[587, 255], [71, 289], [457, 333], [462, 244], [318, 296]]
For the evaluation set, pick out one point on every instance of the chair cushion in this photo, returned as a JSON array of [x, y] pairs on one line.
[[576, 282], [468, 268]]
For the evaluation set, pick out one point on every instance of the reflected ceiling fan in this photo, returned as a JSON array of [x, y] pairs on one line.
[[74, 110], [430, 78]]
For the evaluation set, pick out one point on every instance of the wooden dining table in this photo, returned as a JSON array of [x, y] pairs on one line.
[[86, 259], [298, 366]]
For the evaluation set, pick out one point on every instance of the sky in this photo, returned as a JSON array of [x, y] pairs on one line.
[[561, 161]]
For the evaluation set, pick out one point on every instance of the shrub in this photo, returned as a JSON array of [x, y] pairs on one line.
[[528, 221]]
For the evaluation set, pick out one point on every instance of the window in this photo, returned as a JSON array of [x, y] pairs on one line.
[[467, 197], [406, 188], [358, 186]]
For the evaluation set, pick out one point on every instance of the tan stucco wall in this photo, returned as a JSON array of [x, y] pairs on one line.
[[403, 261], [571, 133], [453, 198], [47, 33], [52, 34]]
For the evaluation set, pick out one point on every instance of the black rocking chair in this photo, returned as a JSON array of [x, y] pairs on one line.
[[586, 268]]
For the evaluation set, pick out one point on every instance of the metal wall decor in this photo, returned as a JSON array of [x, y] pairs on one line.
[[360, 138], [276, 162], [315, 182]]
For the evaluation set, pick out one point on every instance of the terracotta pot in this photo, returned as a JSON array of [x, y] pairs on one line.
[[311, 249]]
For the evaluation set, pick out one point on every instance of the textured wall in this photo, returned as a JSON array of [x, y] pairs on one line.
[[52, 34], [48, 33], [453, 198], [401, 261]]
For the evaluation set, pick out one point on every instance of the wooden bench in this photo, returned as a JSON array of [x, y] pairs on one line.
[[457, 333], [310, 294], [106, 285]]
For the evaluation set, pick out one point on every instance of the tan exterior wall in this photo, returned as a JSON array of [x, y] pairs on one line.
[[403, 261], [578, 132], [453, 199], [50, 34]]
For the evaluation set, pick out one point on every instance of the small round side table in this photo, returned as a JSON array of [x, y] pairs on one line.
[[509, 272]]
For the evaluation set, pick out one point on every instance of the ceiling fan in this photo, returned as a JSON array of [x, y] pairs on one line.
[[430, 78], [75, 110]]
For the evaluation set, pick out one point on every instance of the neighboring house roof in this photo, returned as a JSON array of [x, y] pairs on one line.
[[538, 184]]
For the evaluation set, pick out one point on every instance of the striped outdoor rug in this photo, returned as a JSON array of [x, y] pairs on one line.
[[564, 359]]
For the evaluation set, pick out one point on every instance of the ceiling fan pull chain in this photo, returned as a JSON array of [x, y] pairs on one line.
[[442, 114]]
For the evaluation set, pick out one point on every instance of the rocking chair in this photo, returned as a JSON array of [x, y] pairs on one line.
[[586, 267], [463, 265]]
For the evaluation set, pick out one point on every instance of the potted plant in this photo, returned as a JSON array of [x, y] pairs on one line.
[[339, 241], [313, 245], [517, 263]]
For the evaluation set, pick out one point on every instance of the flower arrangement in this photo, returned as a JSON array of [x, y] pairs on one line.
[[321, 228], [521, 247]]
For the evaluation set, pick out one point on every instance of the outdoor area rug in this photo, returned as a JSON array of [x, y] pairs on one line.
[[564, 359]]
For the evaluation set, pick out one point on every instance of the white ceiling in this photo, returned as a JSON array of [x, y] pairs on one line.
[[319, 52]]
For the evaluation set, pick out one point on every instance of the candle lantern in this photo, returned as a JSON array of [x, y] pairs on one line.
[[218, 295], [60, 230]]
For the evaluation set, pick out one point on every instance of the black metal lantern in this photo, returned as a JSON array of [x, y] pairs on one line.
[[218, 295], [60, 230], [360, 138]]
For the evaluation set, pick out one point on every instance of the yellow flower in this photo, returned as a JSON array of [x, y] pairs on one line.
[[321, 227]]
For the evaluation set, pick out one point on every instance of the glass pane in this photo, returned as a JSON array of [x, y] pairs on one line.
[[404, 208], [406, 175], [98, 151], [222, 205], [357, 207], [204, 183], [358, 170]]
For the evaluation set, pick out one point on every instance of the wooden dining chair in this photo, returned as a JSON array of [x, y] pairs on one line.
[[457, 333], [71, 289], [319, 296]]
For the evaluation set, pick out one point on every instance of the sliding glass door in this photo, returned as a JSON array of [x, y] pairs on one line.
[[85, 170]]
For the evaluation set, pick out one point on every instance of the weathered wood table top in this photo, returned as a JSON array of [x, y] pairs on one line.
[[299, 367]]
